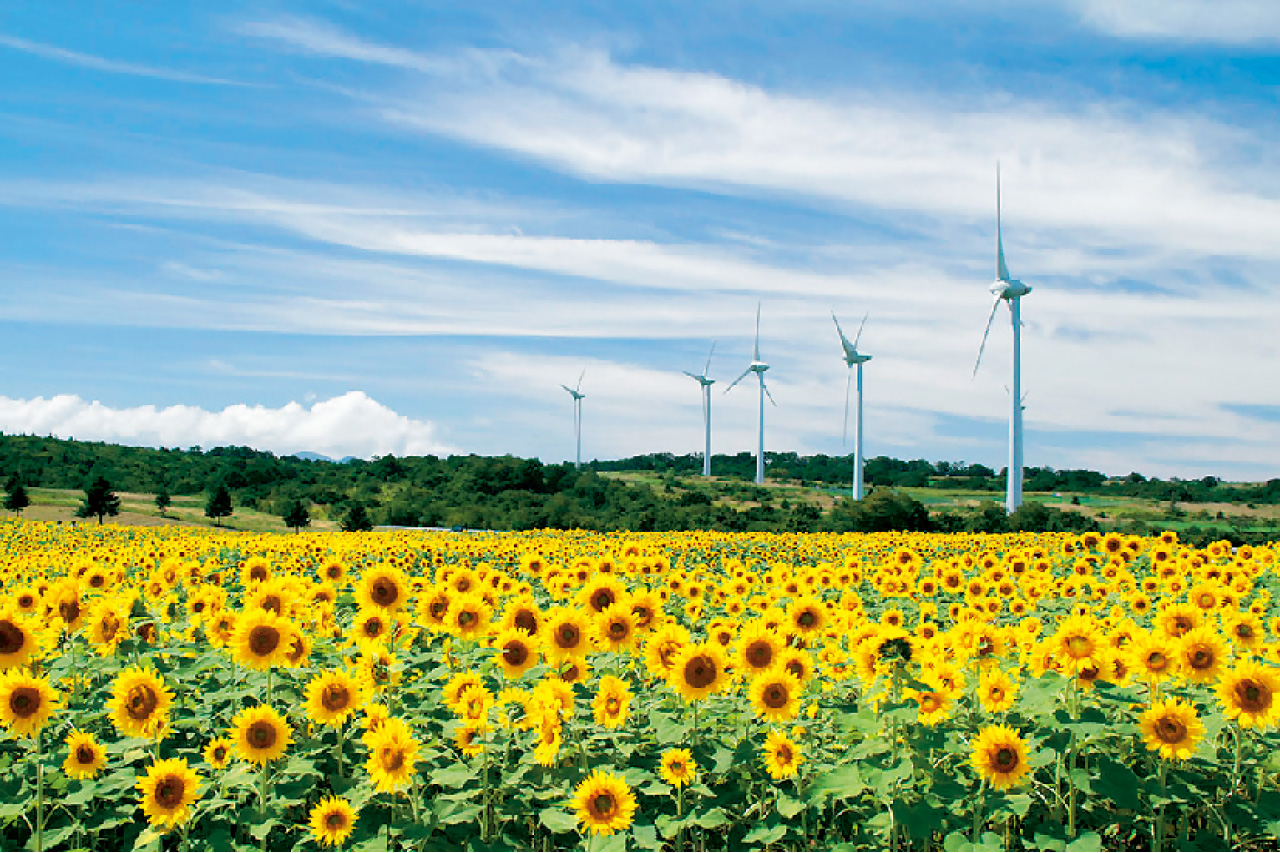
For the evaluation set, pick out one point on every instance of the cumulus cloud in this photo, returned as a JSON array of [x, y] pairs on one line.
[[352, 424]]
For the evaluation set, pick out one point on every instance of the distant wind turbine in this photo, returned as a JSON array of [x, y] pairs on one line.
[[1011, 291], [577, 416], [851, 358], [706, 409], [757, 367]]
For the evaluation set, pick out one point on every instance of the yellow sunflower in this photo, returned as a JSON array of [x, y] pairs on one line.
[[612, 704], [26, 703], [615, 627], [218, 753], [782, 756], [996, 690], [85, 756], [662, 649], [567, 635], [18, 639], [371, 625], [677, 767], [699, 671], [260, 734], [758, 649], [468, 616], [604, 803], [468, 738], [935, 705], [168, 791], [1000, 756], [331, 821], [516, 651], [385, 587], [260, 639], [474, 704], [1078, 644], [332, 697], [392, 753], [1248, 694], [140, 703], [1203, 654], [775, 695], [1153, 657], [1172, 728], [807, 617]]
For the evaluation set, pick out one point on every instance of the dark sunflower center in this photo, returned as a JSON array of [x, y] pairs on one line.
[[603, 805], [384, 592], [169, 792], [1170, 730], [1005, 760], [335, 821], [613, 704], [438, 608], [807, 619], [373, 627], [525, 621], [782, 754], [568, 637], [930, 702], [643, 613], [25, 702], [1181, 625], [776, 696], [262, 735], [996, 694], [1252, 696], [618, 630], [84, 754], [700, 672], [1201, 658], [515, 653], [69, 610], [263, 640], [667, 653], [12, 638], [1157, 661], [759, 655], [335, 697], [258, 573], [392, 759], [141, 702], [466, 617]]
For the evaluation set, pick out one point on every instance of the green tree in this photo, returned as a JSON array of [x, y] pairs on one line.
[[17, 499], [163, 500], [219, 505], [99, 500], [297, 515], [357, 518]]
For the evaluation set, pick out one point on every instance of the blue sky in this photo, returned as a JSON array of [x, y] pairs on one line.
[[359, 228]]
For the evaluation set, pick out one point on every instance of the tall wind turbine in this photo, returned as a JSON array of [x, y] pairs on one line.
[[853, 357], [757, 367], [1011, 291], [577, 416], [706, 409]]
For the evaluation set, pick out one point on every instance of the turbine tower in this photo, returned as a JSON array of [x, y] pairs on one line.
[[1011, 291], [577, 416], [853, 357], [757, 367], [706, 409]]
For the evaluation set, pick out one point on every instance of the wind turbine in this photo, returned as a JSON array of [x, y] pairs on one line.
[[577, 416], [853, 357], [706, 408], [757, 367], [1011, 291]]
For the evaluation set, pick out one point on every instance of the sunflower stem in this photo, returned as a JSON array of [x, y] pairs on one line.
[[39, 794], [977, 812], [1071, 758], [1157, 841]]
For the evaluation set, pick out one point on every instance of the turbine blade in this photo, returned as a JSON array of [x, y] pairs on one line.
[[691, 375], [839, 330], [1002, 272], [990, 318], [709, 354], [844, 433], [580, 375], [766, 391], [566, 387], [739, 379], [858, 336]]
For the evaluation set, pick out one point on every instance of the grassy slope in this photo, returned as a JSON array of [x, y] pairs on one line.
[[139, 510]]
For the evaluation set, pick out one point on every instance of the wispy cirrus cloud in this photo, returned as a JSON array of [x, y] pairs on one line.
[[1231, 21], [110, 66]]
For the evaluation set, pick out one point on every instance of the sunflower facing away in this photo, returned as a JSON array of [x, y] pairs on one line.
[[604, 803], [677, 767], [168, 791], [331, 821], [260, 734], [26, 703], [85, 756], [1000, 756], [612, 704], [139, 704], [1172, 729]]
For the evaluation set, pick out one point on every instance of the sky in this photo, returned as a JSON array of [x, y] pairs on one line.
[[399, 227]]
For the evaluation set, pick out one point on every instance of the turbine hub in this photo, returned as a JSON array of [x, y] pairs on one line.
[[1009, 288]]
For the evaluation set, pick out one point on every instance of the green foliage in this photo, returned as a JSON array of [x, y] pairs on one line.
[[297, 516], [357, 519], [17, 498], [99, 500], [219, 506], [163, 500]]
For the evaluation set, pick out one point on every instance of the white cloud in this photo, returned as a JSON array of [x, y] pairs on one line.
[[350, 425], [1192, 20]]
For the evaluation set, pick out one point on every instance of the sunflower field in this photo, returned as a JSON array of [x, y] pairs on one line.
[[186, 689]]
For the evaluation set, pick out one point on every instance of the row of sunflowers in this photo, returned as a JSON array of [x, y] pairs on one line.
[[184, 689]]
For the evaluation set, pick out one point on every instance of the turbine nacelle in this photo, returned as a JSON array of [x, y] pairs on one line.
[[1009, 288], [702, 380]]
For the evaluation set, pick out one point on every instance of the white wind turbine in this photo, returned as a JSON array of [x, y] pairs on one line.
[[706, 409], [1011, 291], [757, 367], [853, 357], [577, 416]]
